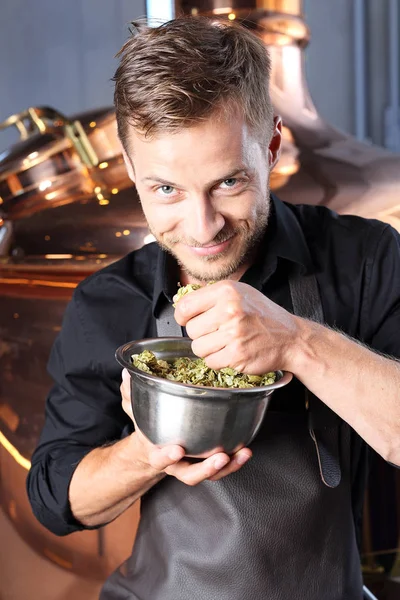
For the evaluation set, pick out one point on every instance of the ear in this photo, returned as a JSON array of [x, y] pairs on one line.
[[128, 165], [274, 148]]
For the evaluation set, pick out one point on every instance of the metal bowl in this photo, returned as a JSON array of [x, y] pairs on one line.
[[201, 419]]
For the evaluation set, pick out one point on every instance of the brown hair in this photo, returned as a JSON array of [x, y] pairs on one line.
[[179, 73]]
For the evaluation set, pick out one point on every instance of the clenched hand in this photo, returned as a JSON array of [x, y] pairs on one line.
[[234, 325]]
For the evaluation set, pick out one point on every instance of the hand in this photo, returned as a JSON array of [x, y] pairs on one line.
[[170, 459], [234, 325]]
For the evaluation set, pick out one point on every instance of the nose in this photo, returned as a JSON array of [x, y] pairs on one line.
[[202, 221]]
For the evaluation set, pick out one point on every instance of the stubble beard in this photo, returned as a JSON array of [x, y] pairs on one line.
[[249, 240]]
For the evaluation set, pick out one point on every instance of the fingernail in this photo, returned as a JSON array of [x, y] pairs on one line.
[[220, 462], [125, 375], [242, 458]]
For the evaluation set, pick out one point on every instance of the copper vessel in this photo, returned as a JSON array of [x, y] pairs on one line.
[[59, 160], [48, 245]]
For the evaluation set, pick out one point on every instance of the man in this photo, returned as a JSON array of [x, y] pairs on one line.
[[277, 520]]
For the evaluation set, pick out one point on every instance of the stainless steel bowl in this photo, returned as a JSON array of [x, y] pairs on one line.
[[201, 419]]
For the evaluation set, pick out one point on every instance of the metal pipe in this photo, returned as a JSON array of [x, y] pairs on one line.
[[392, 113], [368, 595], [159, 11], [394, 53], [360, 116]]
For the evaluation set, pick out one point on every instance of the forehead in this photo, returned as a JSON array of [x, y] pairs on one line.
[[210, 144]]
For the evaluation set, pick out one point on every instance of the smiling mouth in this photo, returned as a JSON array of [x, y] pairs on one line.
[[212, 249]]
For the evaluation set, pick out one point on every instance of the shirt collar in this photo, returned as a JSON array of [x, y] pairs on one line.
[[165, 281], [288, 240], [284, 239]]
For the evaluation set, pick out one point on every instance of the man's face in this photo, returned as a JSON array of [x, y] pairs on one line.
[[205, 194]]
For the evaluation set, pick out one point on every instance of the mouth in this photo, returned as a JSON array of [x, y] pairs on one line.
[[212, 249]]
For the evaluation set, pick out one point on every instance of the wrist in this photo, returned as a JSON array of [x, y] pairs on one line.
[[304, 353], [131, 459]]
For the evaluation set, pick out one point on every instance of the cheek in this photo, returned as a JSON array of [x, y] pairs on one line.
[[247, 209], [161, 218]]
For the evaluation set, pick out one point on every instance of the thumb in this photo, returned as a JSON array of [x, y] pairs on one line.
[[162, 458], [126, 378]]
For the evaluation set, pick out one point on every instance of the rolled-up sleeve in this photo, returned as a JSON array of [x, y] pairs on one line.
[[83, 412], [381, 307]]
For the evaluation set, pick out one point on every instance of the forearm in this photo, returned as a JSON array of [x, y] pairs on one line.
[[107, 481], [362, 387]]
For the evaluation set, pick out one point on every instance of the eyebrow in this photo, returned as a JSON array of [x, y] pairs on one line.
[[229, 175]]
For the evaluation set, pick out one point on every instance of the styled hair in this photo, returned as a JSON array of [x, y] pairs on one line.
[[182, 72]]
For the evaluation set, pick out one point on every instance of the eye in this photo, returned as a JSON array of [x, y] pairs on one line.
[[166, 190], [229, 183]]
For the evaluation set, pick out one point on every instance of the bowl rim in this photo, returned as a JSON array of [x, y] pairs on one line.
[[284, 379]]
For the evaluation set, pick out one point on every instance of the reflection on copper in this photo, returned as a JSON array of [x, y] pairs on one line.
[[36, 282], [51, 196], [12, 450], [9, 416], [44, 185], [12, 510], [58, 256], [221, 11], [71, 154], [56, 558]]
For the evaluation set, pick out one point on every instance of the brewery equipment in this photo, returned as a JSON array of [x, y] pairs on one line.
[[67, 208]]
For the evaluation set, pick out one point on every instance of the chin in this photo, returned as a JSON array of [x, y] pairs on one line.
[[211, 269]]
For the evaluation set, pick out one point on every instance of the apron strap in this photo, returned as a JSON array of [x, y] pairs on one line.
[[323, 423]]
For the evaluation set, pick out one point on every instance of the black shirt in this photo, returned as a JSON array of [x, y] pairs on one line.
[[357, 265]]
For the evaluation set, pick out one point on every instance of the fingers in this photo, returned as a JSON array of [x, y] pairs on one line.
[[192, 474], [203, 324], [126, 384], [170, 459], [125, 389], [161, 459], [237, 461], [191, 305], [154, 459], [207, 345]]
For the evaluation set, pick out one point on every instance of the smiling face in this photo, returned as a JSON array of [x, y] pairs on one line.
[[205, 194]]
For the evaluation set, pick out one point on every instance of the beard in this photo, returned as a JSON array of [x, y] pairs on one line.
[[223, 265]]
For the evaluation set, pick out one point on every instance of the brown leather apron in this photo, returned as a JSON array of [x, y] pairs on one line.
[[281, 528]]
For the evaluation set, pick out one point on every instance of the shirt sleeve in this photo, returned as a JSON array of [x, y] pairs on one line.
[[83, 412], [381, 307]]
